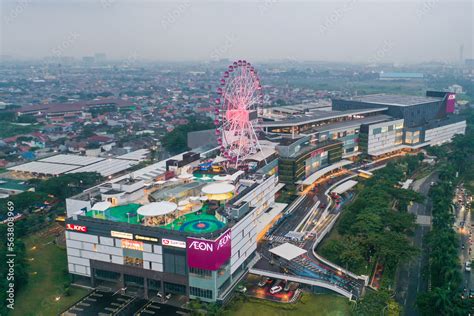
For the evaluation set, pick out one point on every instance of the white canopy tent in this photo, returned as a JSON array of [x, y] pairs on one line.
[[157, 209], [288, 251]]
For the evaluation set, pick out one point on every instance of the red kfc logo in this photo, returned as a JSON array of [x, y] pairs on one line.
[[78, 228]]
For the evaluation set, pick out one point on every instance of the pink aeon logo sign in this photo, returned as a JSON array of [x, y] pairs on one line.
[[450, 102], [208, 254]]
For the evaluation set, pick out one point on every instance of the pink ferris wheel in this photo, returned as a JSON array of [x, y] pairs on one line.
[[239, 97]]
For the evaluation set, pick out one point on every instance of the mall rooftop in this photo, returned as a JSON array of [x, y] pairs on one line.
[[393, 99]]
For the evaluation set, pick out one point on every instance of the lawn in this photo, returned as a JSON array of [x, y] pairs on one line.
[[47, 266], [309, 304], [8, 129]]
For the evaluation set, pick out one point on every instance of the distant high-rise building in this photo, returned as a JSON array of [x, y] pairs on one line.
[[88, 59], [100, 57]]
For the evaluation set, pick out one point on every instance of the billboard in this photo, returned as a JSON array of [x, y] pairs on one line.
[[450, 102], [208, 254]]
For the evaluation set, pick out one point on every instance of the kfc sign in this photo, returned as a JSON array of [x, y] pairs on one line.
[[209, 254], [78, 228]]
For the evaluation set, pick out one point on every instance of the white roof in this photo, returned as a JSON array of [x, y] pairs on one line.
[[137, 155], [101, 206], [72, 160], [288, 251], [44, 168], [157, 208], [218, 188], [262, 154], [221, 178], [345, 186], [107, 167], [318, 174]]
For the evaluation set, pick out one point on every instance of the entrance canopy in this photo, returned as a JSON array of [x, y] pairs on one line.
[[288, 251], [318, 174], [345, 186]]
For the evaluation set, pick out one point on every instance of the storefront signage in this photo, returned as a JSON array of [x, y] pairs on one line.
[[132, 244], [78, 228], [114, 233], [173, 243], [209, 254], [146, 238]]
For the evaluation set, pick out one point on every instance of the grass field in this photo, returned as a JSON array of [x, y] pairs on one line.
[[314, 305], [47, 264]]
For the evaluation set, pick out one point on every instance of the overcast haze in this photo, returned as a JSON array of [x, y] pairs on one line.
[[353, 31]]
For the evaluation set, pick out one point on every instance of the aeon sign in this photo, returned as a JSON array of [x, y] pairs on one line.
[[208, 254], [450, 102]]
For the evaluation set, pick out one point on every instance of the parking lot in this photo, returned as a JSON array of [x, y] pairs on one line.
[[116, 304], [271, 289]]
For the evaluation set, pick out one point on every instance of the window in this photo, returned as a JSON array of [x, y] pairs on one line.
[[377, 130], [174, 288], [201, 272], [133, 280], [174, 262], [200, 292]]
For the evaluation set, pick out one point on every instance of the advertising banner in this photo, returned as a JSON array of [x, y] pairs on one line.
[[208, 254], [450, 102]]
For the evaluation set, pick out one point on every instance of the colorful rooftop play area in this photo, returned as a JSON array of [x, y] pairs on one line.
[[199, 222]]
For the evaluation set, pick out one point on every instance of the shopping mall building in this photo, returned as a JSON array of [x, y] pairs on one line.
[[199, 242], [186, 226]]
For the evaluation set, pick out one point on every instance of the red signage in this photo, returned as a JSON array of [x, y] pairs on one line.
[[317, 152], [209, 254], [78, 228]]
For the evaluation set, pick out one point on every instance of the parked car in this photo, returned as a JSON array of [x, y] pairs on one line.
[[471, 293], [168, 296], [263, 281], [275, 289], [467, 266], [159, 295], [242, 289]]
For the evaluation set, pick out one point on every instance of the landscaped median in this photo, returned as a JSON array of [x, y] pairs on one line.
[[308, 304], [375, 229]]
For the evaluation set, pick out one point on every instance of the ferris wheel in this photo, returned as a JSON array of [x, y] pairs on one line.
[[239, 98]]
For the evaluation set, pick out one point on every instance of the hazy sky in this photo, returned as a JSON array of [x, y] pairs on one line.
[[354, 30]]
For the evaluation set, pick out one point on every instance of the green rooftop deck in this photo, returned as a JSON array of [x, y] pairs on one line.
[[192, 222]]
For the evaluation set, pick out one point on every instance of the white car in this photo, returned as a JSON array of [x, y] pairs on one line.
[[467, 266], [275, 289]]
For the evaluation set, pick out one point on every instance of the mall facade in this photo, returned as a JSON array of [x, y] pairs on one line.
[[201, 254]]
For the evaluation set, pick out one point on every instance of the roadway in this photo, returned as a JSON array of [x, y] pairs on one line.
[[411, 280], [463, 224], [308, 265]]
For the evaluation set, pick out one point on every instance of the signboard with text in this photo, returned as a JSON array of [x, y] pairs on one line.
[[77, 228], [173, 243], [208, 254]]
